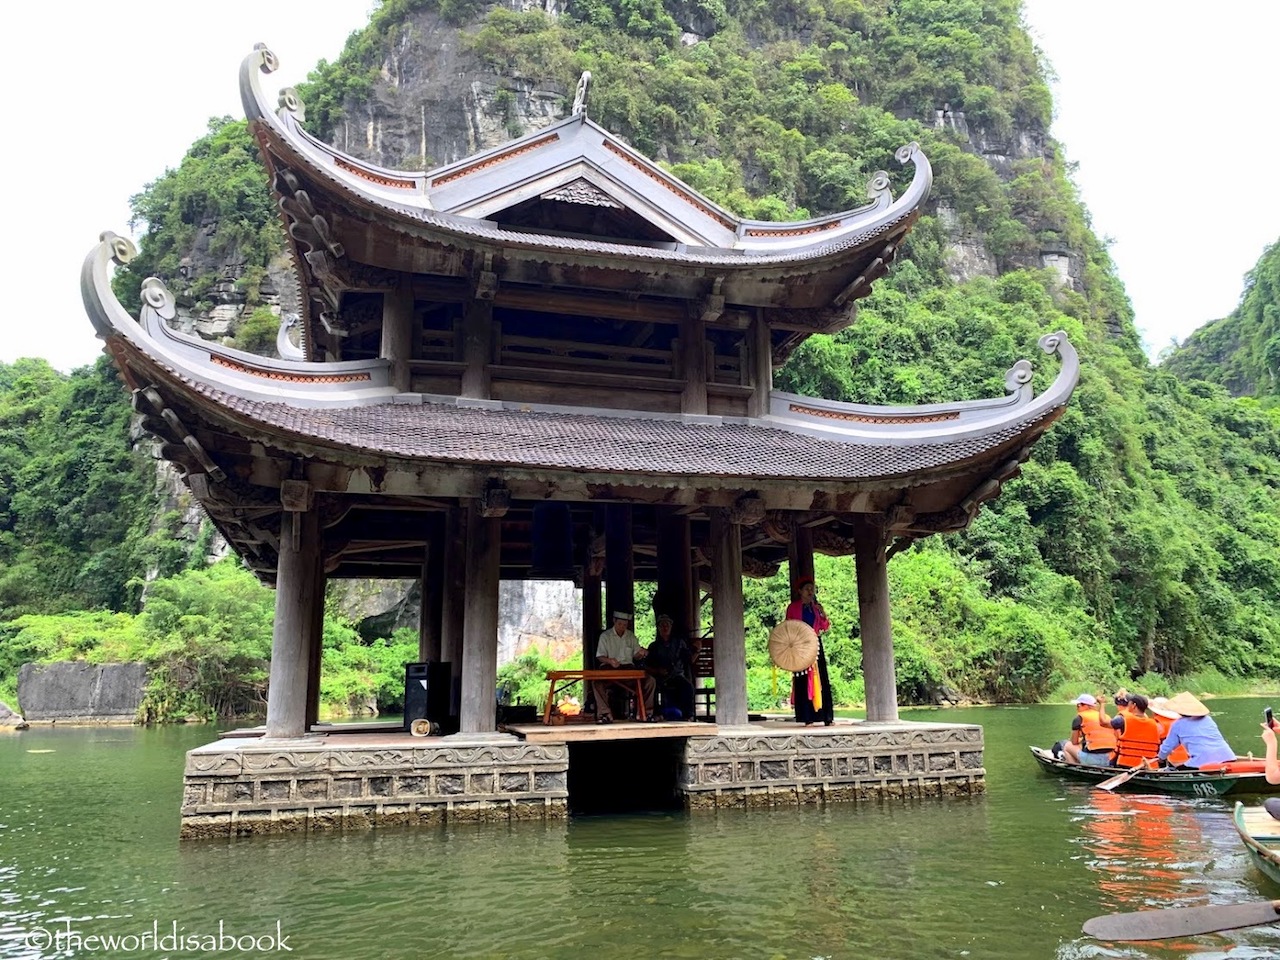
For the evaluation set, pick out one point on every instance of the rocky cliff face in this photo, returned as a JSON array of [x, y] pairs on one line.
[[79, 692], [437, 102]]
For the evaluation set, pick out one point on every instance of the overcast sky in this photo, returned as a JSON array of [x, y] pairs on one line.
[[1166, 105]]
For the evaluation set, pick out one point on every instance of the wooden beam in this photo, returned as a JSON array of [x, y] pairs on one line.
[[480, 626], [477, 348], [295, 602], [398, 333], [693, 364], [727, 620], [590, 305], [619, 563], [875, 623]]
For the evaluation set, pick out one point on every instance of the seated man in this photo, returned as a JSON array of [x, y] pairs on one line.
[[618, 648], [1093, 742], [670, 662]]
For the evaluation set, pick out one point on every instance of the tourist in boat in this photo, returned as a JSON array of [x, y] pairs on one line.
[[670, 662], [1271, 764], [1195, 730], [1164, 718], [1138, 736], [811, 689], [1093, 742], [618, 648]]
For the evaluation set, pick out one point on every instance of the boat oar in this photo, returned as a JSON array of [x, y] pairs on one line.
[[1182, 921], [1112, 782]]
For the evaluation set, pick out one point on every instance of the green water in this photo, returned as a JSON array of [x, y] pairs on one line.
[[89, 827]]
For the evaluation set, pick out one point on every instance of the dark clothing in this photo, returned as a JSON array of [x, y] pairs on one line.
[[805, 711], [670, 662]]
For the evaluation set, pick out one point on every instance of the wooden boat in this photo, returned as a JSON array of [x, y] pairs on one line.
[[1239, 777], [1261, 835]]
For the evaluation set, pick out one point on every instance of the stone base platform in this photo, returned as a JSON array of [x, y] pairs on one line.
[[345, 780], [784, 763], [241, 786]]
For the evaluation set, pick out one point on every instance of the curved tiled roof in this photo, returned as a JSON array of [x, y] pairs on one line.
[[726, 241], [352, 407], [631, 445]]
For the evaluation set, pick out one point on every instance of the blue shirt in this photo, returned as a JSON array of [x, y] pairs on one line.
[[1201, 738]]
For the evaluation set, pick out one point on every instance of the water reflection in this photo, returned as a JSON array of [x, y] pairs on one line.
[[90, 830]]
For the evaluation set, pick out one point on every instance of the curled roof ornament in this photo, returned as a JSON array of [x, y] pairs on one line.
[[580, 96]]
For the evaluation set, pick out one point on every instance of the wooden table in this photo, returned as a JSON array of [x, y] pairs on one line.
[[625, 678]]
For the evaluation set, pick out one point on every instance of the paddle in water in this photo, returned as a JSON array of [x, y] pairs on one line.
[[1112, 782], [1182, 921]]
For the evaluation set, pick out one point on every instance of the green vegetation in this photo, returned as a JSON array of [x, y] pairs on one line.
[[1141, 544], [206, 637], [1241, 351]]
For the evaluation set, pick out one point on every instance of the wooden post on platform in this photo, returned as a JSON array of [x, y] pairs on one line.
[[397, 333], [800, 553], [295, 602], [761, 354], [430, 640], [451, 603], [480, 626], [619, 563], [675, 556], [315, 642], [592, 617], [874, 621], [727, 615]]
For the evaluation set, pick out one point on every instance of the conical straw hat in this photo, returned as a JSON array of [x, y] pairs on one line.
[[793, 646], [1185, 705], [1160, 707]]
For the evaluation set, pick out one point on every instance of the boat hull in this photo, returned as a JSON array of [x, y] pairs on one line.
[[1261, 835], [1193, 783]]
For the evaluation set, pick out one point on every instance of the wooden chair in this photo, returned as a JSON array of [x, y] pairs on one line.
[[704, 668]]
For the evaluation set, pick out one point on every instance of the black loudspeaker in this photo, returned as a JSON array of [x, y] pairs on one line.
[[426, 693]]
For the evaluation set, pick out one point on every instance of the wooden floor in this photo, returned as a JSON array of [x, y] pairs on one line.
[[384, 733], [578, 732], [1261, 825]]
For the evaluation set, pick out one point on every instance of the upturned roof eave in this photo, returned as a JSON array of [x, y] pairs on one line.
[[317, 393], [759, 244]]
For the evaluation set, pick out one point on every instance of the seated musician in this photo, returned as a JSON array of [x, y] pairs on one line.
[[618, 648], [670, 663]]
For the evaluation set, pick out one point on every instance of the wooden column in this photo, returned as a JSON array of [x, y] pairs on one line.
[[693, 349], [477, 348], [430, 641], [761, 351], [727, 617], [295, 606], [398, 333], [618, 559], [480, 627], [674, 558], [874, 621], [592, 617], [451, 603], [800, 553], [315, 641]]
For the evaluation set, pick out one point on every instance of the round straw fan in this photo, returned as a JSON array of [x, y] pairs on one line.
[[793, 646]]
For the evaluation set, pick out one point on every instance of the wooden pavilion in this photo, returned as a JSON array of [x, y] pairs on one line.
[[549, 360]]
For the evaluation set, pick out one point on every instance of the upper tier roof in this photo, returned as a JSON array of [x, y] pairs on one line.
[[661, 238]]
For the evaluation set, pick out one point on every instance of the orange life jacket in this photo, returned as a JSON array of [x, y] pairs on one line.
[[1097, 736], [1139, 741], [1180, 754]]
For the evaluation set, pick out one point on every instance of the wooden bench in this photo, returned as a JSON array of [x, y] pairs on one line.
[[629, 679]]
